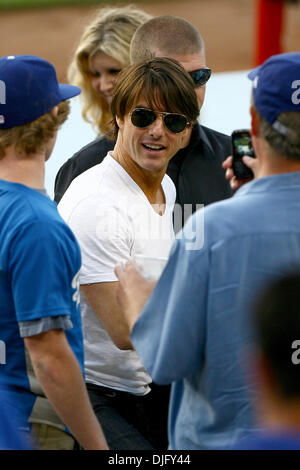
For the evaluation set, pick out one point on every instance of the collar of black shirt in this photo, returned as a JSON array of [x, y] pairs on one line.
[[198, 139]]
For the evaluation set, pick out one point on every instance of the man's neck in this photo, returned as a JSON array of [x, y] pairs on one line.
[[148, 181], [271, 163], [188, 137], [278, 166], [28, 170]]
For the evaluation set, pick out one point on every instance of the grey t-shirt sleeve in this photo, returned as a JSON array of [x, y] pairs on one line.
[[35, 327]]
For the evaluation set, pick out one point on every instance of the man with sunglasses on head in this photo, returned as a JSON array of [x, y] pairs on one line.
[[120, 209], [196, 169]]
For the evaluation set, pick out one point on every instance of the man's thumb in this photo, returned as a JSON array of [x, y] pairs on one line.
[[249, 161]]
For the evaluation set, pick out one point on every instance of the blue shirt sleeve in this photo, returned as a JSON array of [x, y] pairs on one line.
[[42, 258], [169, 335], [35, 327]]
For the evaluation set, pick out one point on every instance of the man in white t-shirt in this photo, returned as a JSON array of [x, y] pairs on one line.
[[118, 210]]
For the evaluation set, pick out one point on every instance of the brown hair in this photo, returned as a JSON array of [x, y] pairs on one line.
[[285, 145], [32, 137], [168, 34], [161, 82]]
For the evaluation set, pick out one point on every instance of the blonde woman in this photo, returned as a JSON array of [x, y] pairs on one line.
[[103, 50]]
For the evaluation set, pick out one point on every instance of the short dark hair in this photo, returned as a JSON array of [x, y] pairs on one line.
[[170, 35], [161, 82], [277, 326], [285, 145]]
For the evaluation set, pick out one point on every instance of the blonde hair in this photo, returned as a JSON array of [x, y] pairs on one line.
[[110, 32], [32, 137]]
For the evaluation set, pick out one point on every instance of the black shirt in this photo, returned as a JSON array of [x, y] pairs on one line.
[[195, 170]]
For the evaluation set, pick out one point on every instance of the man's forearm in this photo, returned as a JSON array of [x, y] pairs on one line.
[[102, 300], [61, 379], [133, 291]]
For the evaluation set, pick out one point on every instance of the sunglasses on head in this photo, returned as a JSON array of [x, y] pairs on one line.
[[144, 117], [200, 76]]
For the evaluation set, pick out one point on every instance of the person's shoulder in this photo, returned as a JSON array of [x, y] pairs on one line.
[[31, 216], [88, 156], [41, 213], [27, 203], [98, 147], [96, 177], [97, 185], [223, 218], [210, 143], [82, 187], [214, 135]]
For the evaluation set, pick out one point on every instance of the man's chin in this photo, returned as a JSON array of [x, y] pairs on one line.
[[154, 166]]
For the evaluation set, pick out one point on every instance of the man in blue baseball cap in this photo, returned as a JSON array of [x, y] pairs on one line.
[[275, 96], [40, 327], [195, 327]]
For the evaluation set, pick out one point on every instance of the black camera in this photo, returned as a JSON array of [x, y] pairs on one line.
[[241, 146]]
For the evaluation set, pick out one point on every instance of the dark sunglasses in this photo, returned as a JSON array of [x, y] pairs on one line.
[[143, 117], [200, 76]]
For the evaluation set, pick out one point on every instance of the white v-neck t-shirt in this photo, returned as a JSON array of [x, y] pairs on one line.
[[113, 221]]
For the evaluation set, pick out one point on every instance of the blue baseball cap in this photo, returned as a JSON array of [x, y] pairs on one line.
[[29, 89], [276, 87]]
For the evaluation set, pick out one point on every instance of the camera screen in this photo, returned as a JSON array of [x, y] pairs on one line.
[[243, 145]]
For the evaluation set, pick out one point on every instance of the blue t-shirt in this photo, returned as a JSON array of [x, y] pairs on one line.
[[39, 290], [11, 437]]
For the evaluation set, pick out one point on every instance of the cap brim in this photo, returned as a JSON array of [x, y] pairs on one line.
[[68, 91], [254, 73]]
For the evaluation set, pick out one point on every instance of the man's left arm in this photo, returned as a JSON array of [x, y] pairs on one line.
[[102, 299], [132, 291]]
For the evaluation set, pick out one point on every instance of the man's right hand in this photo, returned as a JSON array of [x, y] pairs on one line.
[[236, 183]]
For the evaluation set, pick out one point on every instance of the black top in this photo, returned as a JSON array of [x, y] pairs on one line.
[[195, 170]]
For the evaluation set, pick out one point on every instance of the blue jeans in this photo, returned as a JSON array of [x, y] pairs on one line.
[[122, 417]]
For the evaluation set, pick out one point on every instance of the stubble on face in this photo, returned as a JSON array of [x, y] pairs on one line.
[[134, 144]]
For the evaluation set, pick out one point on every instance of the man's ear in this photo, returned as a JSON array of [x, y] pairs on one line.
[[120, 122], [254, 122], [184, 134], [54, 111]]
